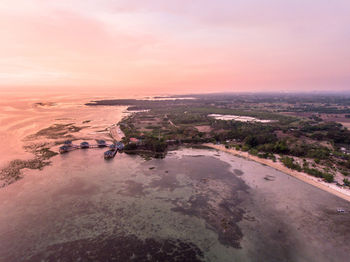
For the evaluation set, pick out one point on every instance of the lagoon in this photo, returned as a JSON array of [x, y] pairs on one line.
[[193, 205]]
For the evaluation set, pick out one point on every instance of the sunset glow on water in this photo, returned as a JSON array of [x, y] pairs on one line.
[[178, 131]]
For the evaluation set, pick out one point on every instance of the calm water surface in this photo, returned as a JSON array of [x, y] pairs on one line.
[[194, 205], [22, 117]]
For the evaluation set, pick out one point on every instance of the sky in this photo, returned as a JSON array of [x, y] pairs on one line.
[[182, 46]]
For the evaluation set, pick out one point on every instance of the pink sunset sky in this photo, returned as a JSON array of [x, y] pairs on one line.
[[176, 45]]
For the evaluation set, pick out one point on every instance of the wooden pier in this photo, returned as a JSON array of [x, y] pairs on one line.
[[110, 153], [114, 148]]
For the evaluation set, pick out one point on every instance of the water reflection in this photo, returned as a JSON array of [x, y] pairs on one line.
[[194, 205]]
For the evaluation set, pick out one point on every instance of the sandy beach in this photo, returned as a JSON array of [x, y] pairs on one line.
[[116, 133], [331, 188]]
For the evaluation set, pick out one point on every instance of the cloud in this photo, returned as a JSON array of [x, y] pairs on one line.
[[167, 44]]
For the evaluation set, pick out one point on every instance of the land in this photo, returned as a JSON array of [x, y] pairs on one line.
[[306, 134], [317, 182], [201, 205]]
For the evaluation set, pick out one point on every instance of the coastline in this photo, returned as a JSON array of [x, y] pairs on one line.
[[330, 188], [31, 146], [116, 133]]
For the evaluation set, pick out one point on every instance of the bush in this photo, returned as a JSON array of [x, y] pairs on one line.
[[289, 162], [345, 163], [328, 177], [318, 153], [317, 173], [154, 144], [313, 171], [273, 158], [251, 141], [346, 182], [345, 172], [245, 148], [253, 152], [281, 147], [131, 146]]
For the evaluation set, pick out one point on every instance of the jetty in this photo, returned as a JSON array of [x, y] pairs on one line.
[[113, 148], [110, 153]]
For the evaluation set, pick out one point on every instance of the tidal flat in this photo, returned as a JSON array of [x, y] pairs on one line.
[[31, 131], [193, 205]]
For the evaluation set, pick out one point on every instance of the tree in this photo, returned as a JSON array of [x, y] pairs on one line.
[[328, 177], [251, 141]]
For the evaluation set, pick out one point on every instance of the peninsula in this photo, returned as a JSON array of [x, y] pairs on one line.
[[304, 136]]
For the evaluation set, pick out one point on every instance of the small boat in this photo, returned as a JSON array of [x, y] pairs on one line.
[[101, 143], [109, 154], [84, 145], [64, 149]]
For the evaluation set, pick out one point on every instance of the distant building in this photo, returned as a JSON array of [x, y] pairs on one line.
[[171, 141], [109, 154], [84, 145], [64, 149], [120, 146], [101, 143], [134, 140], [344, 150], [68, 143]]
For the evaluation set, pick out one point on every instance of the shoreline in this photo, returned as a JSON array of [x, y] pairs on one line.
[[115, 132], [330, 188]]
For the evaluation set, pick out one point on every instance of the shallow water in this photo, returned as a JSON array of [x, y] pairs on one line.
[[194, 205], [23, 116]]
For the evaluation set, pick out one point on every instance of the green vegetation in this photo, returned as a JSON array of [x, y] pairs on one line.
[[317, 173], [328, 177], [298, 129], [289, 162], [346, 182]]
